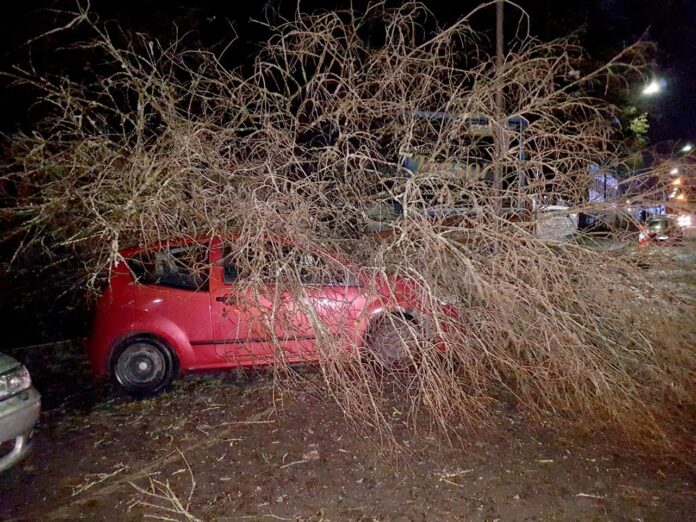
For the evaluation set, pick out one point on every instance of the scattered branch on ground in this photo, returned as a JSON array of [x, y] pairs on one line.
[[160, 497]]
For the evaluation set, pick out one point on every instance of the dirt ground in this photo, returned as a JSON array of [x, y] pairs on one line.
[[227, 447]]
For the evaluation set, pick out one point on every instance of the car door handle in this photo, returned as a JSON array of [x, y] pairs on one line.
[[229, 299]]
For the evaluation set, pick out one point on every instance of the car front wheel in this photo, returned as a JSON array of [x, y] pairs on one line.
[[143, 367], [392, 341]]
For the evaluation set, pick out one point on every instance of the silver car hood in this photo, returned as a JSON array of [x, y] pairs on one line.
[[7, 363]]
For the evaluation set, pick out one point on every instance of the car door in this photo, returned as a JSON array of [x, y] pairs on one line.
[[331, 303], [238, 311], [273, 320]]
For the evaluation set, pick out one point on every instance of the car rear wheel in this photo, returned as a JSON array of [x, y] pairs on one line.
[[144, 367]]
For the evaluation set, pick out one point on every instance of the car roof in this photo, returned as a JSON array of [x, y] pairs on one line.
[[129, 252], [174, 242]]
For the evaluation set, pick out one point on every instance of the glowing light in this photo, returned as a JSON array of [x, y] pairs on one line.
[[677, 181], [684, 220], [675, 170], [652, 88], [687, 148], [681, 197]]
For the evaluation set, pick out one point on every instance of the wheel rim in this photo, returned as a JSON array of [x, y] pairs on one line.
[[388, 345], [141, 365]]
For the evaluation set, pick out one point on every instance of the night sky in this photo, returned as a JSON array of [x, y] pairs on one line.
[[604, 26]]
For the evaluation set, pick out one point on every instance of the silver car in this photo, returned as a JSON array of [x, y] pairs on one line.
[[20, 404]]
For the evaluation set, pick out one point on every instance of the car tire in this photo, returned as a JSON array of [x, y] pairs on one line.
[[390, 341], [143, 366]]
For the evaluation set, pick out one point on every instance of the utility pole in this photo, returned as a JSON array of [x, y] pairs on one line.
[[499, 14], [500, 123]]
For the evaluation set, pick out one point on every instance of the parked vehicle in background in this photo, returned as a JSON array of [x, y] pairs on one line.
[[685, 220], [556, 222], [20, 404], [661, 229], [161, 315]]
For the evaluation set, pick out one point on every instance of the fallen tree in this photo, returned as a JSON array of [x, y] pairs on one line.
[[163, 143]]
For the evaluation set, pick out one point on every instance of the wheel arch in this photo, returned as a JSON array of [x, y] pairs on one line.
[[129, 337], [408, 314]]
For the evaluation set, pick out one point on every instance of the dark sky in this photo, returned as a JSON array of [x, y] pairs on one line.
[[603, 25]]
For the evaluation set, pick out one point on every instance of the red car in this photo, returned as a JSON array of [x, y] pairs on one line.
[[162, 316]]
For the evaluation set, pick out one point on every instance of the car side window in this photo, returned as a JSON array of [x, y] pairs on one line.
[[241, 264], [182, 267], [230, 272], [278, 260], [231, 269], [316, 271]]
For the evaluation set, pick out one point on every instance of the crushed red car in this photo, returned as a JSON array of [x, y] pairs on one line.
[[160, 316]]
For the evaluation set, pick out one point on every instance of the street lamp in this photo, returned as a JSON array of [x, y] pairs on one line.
[[674, 171], [687, 148], [652, 88]]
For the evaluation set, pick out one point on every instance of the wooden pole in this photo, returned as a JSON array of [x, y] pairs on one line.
[[500, 134]]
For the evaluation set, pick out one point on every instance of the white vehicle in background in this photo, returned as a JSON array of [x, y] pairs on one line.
[[20, 405], [685, 220], [556, 222]]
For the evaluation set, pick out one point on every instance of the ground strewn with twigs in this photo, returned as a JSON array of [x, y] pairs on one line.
[[218, 450], [304, 464]]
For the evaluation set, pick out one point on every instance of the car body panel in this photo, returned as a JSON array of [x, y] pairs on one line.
[[19, 413], [128, 308]]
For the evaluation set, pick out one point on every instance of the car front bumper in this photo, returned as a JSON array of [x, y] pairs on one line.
[[18, 415]]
